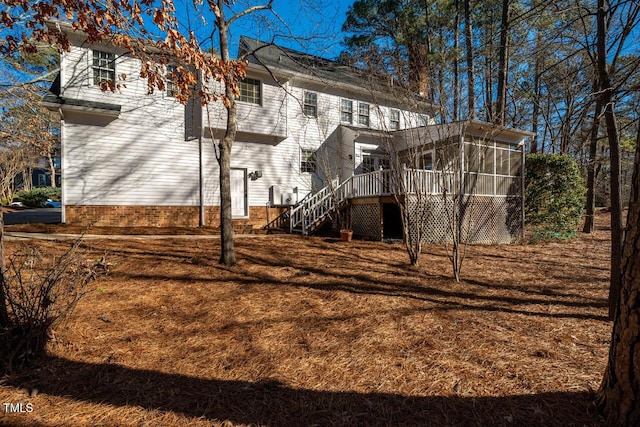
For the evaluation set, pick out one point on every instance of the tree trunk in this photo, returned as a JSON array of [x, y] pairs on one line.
[[537, 69], [503, 64], [619, 396], [456, 63], [227, 248], [52, 170], [616, 207], [606, 91], [589, 224], [4, 318], [468, 35], [488, 85]]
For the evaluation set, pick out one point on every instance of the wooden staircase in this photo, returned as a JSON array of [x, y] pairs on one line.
[[313, 211]]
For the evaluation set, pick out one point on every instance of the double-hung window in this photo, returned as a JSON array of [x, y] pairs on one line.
[[310, 104], [394, 120], [346, 111], [363, 113], [250, 91], [170, 85], [307, 161], [104, 67]]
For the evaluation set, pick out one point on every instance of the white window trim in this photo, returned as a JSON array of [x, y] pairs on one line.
[[368, 124], [304, 104], [391, 121], [261, 101], [93, 67], [315, 154], [169, 82], [341, 111]]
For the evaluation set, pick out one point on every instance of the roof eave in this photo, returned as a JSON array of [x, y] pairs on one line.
[[56, 103]]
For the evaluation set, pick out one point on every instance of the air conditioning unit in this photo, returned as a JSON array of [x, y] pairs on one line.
[[279, 196], [288, 198], [275, 195]]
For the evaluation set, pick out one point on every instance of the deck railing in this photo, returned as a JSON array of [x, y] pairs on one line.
[[314, 209]]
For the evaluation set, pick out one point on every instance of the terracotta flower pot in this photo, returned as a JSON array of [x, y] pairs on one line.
[[346, 235]]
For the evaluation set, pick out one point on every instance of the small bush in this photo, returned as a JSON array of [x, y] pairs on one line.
[[554, 196], [37, 197], [39, 292]]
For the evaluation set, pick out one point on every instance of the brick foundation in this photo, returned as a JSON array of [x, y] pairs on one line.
[[160, 216]]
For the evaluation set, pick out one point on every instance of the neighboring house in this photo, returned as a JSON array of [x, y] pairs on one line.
[[42, 178], [39, 177], [133, 159]]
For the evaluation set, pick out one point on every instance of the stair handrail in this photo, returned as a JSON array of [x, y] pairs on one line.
[[318, 206], [277, 221]]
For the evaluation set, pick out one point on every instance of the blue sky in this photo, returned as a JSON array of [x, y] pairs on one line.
[[313, 26]]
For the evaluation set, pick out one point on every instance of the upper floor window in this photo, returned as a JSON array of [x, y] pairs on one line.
[[363, 113], [310, 105], [250, 91], [172, 88], [308, 161], [104, 67], [394, 120], [346, 111]]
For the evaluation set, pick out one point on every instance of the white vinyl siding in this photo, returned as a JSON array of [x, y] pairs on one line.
[[142, 158], [268, 121]]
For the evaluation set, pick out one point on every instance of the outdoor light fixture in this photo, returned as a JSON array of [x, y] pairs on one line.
[[255, 175]]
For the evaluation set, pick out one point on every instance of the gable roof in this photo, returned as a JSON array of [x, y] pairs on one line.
[[280, 58], [294, 63]]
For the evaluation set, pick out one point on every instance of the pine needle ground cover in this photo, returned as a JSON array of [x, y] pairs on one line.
[[317, 331]]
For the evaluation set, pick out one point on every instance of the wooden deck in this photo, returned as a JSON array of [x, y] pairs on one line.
[[384, 186]]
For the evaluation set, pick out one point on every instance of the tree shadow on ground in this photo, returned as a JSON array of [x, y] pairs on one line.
[[455, 297], [269, 402]]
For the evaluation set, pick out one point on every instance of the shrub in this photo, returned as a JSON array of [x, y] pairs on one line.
[[37, 197], [39, 292], [554, 196]]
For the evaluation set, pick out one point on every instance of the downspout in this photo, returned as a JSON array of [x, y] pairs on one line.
[[196, 102], [63, 83], [63, 208], [201, 180], [522, 188]]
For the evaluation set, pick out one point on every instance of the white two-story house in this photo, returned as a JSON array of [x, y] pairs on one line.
[[129, 158]]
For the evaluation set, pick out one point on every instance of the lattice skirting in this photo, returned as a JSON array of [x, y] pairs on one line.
[[479, 219], [366, 221], [433, 219]]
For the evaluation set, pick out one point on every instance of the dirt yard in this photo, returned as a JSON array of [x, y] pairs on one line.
[[321, 332]]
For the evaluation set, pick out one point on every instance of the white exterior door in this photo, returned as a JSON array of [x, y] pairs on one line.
[[239, 193]]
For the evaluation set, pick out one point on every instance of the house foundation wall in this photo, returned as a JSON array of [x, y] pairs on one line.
[[161, 216]]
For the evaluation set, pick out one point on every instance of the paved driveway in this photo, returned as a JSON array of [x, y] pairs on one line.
[[33, 216]]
